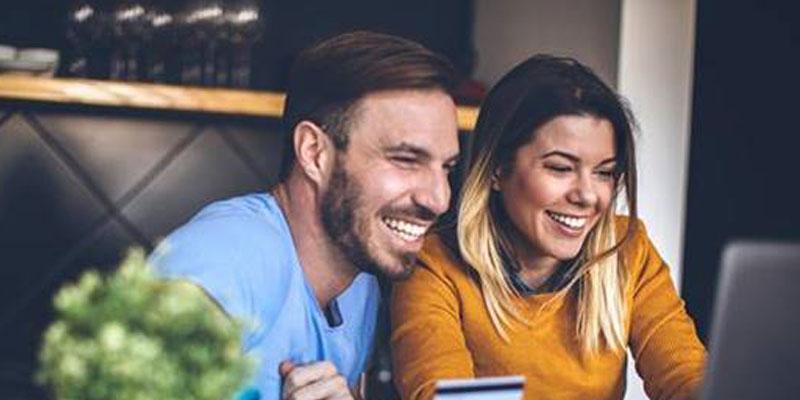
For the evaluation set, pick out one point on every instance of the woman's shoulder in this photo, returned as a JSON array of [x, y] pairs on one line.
[[640, 255], [638, 238], [621, 223], [439, 276], [440, 257]]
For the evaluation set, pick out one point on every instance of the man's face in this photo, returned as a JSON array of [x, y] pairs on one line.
[[390, 184]]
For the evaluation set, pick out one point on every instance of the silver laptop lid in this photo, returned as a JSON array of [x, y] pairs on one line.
[[755, 337]]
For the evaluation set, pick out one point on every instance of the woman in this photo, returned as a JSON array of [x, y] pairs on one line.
[[539, 277]]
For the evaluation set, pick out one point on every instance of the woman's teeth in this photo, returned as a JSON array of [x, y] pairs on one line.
[[406, 230], [569, 222]]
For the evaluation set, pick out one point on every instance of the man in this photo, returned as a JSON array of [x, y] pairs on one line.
[[371, 138]]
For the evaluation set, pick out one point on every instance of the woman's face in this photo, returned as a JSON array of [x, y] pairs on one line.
[[558, 186]]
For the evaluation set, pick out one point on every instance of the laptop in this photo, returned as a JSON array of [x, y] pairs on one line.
[[755, 337]]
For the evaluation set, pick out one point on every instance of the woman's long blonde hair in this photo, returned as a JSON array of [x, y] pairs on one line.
[[533, 93]]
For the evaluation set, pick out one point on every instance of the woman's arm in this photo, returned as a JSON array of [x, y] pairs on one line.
[[669, 356], [427, 341]]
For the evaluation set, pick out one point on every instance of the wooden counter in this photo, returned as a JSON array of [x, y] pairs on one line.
[[155, 96]]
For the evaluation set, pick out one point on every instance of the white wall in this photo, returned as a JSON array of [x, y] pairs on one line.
[[655, 74], [509, 31], [645, 49]]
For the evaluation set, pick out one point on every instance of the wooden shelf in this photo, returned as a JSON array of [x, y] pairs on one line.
[[155, 96]]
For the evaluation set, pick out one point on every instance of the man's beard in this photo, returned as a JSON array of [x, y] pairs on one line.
[[351, 234]]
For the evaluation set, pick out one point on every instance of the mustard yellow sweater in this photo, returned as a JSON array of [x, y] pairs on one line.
[[441, 329]]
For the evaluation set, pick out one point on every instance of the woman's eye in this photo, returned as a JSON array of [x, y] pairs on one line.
[[559, 168], [608, 175]]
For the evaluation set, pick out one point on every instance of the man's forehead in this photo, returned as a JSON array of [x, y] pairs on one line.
[[420, 119]]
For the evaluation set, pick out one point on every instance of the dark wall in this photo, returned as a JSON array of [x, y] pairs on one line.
[[79, 186], [745, 141], [33, 23], [443, 25]]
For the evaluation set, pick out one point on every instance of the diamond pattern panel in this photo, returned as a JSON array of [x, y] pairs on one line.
[[116, 152], [44, 210], [262, 144], [22, 337], [205, 171], [52, 226]]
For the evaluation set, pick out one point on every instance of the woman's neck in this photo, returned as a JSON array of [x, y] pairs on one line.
[[535, 268], [536, 271]]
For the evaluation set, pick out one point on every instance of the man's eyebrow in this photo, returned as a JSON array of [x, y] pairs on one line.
[[419, 152], [408, 148]]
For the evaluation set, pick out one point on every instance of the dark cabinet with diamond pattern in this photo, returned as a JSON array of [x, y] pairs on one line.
[[78, 186]]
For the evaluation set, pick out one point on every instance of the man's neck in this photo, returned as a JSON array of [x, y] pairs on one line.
[[325, 267]]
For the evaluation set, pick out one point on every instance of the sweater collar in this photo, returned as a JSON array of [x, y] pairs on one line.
[[555, 282]]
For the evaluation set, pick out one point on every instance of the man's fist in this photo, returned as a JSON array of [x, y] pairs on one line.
[[313, 381]]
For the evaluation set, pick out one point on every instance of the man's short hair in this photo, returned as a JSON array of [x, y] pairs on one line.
[[328, 79]]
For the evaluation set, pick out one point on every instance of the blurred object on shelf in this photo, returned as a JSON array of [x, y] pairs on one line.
[[246, 26], [130, 28], [34, 61], [87, 51], [187, 42], [7, 52], [158, 44], [470, 92], [252, 45]]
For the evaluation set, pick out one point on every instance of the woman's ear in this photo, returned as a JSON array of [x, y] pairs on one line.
[[495, 179], [313, 150]]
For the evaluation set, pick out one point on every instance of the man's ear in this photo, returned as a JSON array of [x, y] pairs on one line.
[[313, 149]]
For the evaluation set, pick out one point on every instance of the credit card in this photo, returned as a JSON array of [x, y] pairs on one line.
[[494, 388]]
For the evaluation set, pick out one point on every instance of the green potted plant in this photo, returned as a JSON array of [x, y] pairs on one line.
[[131, 336]]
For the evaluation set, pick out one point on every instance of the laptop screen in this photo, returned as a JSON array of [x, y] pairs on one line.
[[755, 338]]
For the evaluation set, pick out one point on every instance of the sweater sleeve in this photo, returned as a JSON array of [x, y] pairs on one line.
[[427, 340], [669, 356]]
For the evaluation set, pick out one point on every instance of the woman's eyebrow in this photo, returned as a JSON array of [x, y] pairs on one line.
[[561, 153], [574, 158], [608, 161]]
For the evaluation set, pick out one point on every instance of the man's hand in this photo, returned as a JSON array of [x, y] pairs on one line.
[[313, 381]]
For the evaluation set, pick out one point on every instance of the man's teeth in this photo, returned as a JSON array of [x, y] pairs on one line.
[[570, 222], [404, 229]]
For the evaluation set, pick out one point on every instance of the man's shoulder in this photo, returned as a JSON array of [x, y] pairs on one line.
[[238, 250], [233, 236], [242, 211], [253, 219]]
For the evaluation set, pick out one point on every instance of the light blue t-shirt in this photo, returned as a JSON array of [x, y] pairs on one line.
[[241, 252]]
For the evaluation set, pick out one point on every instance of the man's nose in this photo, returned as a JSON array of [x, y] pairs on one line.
[[434, 193]]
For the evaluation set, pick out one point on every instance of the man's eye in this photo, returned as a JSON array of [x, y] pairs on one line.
[[404, 161]]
